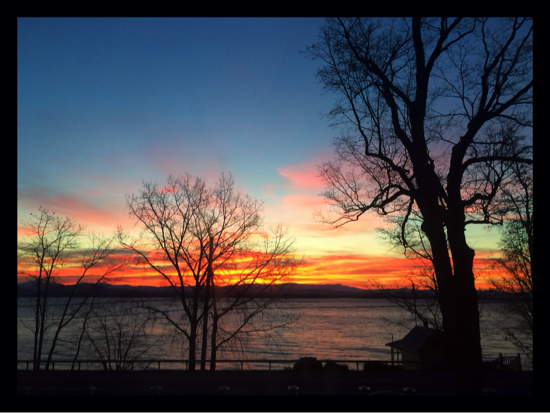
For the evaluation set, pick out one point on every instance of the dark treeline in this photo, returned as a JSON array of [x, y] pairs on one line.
[[290, 290]]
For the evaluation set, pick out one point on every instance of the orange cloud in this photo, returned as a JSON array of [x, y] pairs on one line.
[[362, 271], [356, 270], [298, 201]]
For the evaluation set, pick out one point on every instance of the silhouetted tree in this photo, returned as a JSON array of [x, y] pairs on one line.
[[435, 110], [248, 303], [406, 233], [420, 302], [118, 334], [53, 242], [516, 279], [199, 239]]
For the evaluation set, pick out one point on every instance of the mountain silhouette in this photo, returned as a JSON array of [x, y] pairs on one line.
[[289, 290]]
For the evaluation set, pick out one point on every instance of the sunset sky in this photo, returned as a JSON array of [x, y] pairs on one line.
[[106, 103]]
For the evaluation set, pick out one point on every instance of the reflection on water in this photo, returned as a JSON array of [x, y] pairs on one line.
[[352, 329]]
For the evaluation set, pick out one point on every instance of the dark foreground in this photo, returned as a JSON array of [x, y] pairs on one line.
[[186, 383]]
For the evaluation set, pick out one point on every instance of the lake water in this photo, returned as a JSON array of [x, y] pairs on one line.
[[351, 329]]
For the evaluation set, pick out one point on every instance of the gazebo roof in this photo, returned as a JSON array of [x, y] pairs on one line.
[[415, 339]]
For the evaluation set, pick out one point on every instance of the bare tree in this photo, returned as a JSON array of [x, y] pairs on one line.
[[422, 300], [252, 284], [54, 242], [199, 239], [420, 303], [118, 334], [435, 112], [515, 267]]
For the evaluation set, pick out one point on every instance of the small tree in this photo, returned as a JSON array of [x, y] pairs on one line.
[[515, 267], [54, 242], [199, 239], [118, 334], [421, 302]]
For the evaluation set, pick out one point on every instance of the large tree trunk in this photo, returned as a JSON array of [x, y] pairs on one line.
[[458, 302], [465, 315], [465, 336], [455, 278]]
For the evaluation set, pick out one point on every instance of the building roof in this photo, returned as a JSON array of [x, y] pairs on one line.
[[415, 339]]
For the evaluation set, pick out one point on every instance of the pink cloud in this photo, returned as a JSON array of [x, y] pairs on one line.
[[308, 210], [82, 207], [268, 191], [299, 201], [305, 175]]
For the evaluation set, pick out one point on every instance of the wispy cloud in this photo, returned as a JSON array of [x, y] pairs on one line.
[[305, 175], [362, 270], [91, 209]]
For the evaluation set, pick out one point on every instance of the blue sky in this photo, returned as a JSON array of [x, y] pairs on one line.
[[217, 88], [104, 103], [135, 98]]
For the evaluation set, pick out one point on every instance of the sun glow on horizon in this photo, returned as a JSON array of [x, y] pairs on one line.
[[354, 270]]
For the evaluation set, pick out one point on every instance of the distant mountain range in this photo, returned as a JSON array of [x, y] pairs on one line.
[[290, 290]]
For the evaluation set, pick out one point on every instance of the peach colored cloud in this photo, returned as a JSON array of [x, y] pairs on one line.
[[269, 191], [305, 175], [300, 215], [302, 177], [300, 201]]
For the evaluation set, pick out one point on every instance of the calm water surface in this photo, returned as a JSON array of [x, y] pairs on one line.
[[352, 329]]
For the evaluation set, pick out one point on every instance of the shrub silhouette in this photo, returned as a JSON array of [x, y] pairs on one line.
[[308, 363], [332, 365], [374, 365]]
